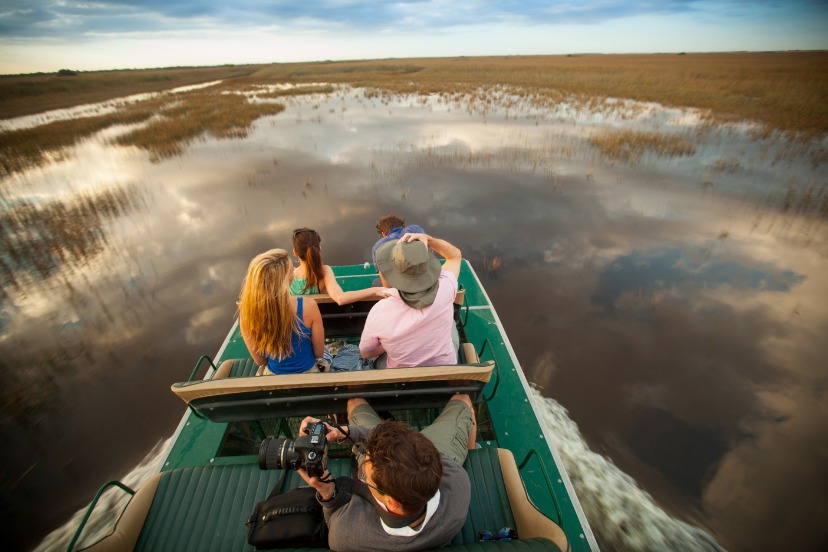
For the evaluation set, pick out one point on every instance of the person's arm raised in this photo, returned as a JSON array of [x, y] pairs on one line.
[[340, 297], [441, 247]]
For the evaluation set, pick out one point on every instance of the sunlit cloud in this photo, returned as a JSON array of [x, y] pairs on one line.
[[45, 35]]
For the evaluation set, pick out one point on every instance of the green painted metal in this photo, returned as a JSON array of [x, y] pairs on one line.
[[198, 365], [89, 510]]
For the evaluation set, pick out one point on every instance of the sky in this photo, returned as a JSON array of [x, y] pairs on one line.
[[48, 35]]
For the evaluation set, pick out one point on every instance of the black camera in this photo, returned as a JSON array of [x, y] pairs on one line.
[[309, 452]]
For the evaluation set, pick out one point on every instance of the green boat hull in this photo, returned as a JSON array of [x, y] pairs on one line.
[[516, 422]]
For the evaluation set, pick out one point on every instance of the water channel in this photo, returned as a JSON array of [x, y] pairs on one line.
[[671, 310]]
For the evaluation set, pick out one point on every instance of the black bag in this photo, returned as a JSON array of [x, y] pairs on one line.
[[288, 520]]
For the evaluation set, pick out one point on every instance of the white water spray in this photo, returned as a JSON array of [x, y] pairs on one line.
[[622, 515], [109, 507]]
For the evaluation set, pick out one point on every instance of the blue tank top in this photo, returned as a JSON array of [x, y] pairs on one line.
[[302, 358]]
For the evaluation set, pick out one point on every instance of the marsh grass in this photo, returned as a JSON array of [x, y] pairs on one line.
[[28, 94], [630, 146], [727, 165], [297, 91], [783, 91], [30, 147], [172, 122], [196, 114], [492, 264], [41, 238]]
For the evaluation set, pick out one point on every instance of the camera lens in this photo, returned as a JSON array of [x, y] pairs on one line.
[[275, 454]]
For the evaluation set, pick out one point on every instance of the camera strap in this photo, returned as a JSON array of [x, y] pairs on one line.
[[392, 520], [277, 489]]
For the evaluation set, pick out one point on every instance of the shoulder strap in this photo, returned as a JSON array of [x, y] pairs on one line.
[[299, 307], [279, 484]]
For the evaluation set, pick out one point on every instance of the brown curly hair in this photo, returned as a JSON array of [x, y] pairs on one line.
[[389, 222], [405, 464]]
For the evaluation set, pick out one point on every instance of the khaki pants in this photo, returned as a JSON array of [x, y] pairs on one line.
[[450, 432]]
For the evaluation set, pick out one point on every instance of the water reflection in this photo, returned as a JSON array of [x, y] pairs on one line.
[[655, 272], [38, 240], [675, 307], [43, 244]]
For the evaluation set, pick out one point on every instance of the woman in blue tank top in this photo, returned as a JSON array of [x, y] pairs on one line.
[[311, 276], [280, 330]]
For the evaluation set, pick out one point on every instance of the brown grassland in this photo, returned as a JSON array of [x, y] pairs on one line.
[[35, 93], [785, 90], [782, 91], [171, 123]]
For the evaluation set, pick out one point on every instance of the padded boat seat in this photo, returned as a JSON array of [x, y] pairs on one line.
[[236, 368], [245, 367], [203, 509], [261, 397]]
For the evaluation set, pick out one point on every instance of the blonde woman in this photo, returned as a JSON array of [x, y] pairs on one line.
[[281, 331]]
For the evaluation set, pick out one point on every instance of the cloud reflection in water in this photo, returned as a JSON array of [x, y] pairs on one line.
[[662, 339]]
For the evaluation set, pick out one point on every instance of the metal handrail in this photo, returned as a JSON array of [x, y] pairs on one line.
[[483, 348], [496, 368], [198, 365], [92, 507], [466, 306], [548, 482]]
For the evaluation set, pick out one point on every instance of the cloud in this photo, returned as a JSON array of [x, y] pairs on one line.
[[49, 18], [650, 272], [46, 35]]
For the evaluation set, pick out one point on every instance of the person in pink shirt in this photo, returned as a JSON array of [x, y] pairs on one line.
[[414, 326]]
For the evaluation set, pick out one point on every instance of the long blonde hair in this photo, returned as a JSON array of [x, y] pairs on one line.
[[265, 313]]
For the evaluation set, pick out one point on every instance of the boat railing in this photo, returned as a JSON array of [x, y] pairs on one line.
[[91, 507], [494, 383], [198, 365], [496, 369], [547, 480]]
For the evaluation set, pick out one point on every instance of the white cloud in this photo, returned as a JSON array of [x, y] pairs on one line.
[[106, 35]]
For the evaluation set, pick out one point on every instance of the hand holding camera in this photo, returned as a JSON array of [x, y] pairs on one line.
[[334, 432], [308, 452]]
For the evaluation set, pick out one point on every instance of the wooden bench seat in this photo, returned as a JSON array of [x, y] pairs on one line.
[[203, 509], [264, 397]]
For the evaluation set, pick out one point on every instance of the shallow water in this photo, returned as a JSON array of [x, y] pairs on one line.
[[673, 308]]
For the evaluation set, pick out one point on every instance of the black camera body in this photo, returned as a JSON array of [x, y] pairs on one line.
[[308, 452]]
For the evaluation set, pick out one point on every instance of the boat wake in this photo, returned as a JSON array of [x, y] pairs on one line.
[[622, 515], [109, 507]]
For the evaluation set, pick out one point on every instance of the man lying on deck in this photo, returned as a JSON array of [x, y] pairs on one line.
[[419, 491], [414, 326]]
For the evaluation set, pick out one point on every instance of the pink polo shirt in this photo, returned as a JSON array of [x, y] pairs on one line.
[[414, 337]]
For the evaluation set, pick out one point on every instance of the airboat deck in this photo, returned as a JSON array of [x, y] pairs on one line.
[[210, 480]]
